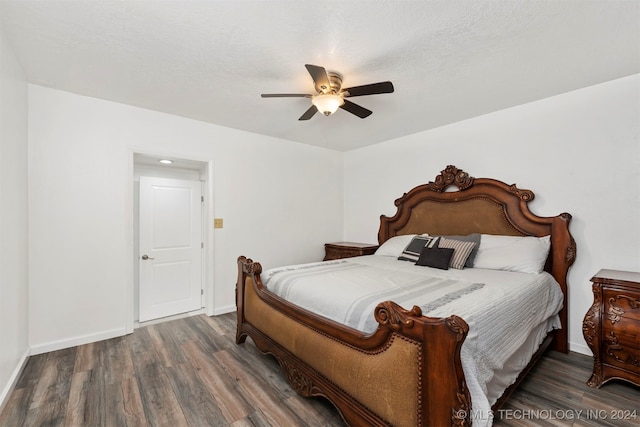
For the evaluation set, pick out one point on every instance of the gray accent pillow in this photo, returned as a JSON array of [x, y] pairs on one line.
[[475, 238]]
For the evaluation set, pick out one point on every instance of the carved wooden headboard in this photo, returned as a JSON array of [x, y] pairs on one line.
[[487, 206]]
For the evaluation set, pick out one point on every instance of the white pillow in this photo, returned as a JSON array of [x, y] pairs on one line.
[[513, 253], [395, 245]]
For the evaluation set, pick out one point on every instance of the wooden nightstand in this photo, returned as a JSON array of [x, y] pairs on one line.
[[339, 250], [611, 327]]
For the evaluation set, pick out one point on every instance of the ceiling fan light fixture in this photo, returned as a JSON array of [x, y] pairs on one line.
[[327, 104], [330, 95]]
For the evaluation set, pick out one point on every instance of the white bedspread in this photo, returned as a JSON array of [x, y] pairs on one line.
[[502, 308]]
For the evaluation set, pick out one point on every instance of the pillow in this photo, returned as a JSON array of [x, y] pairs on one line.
[[435, 257], [475, 238], [461, 251], [412, 251], [395, 245], [526, 254]]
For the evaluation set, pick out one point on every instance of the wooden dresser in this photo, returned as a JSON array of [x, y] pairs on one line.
[[611, 327], [339, 250]]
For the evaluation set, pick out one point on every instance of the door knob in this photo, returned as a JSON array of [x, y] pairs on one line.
[[146, 257]]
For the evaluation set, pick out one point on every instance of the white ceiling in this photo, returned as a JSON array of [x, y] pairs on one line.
[[210, 60]]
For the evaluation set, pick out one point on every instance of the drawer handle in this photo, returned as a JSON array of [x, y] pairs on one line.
[[615, 313]]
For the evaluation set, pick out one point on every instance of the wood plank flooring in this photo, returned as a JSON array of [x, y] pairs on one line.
[[190, 372]]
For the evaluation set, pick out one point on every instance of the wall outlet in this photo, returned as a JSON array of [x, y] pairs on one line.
[[217, 223]]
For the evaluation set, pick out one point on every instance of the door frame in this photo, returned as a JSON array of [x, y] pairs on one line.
[[130, 238]]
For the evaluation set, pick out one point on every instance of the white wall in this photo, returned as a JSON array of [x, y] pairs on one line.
[[280, 201], [14, 332], [578, 152]]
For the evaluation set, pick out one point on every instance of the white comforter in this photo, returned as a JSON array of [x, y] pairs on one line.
[[502, 309]]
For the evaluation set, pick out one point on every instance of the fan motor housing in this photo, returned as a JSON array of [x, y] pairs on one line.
[[335, 80]]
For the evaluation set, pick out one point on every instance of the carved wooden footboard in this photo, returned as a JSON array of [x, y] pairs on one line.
[[408, 373]]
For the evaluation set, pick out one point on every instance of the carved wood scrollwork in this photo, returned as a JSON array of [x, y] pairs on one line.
[[596, 376], [591, 320], [397, 318], [300, 383], [571, 250], [250, 267], [451, 175], [589, 325], [590, 333], [458, 326], [461, 413], [524, 195], [615, 312]]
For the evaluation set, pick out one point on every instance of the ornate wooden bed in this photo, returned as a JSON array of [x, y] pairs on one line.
[[409, 371]]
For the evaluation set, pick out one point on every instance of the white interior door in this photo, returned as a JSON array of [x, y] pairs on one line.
[[170, 247]]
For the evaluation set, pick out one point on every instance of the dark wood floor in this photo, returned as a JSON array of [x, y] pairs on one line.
[[190, 372]]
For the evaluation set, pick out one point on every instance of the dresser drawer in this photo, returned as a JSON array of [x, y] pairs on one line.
[[619, 305], [334, 253], [621, 328], [620, 348]]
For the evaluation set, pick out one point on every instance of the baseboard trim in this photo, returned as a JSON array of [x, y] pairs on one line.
[[73, 342], [224, 310], [6, 392], [580, 348]]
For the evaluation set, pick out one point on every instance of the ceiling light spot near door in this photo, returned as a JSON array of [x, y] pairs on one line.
[[166, 161]]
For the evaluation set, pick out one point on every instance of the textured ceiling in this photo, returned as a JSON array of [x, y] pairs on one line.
[[210, 60]]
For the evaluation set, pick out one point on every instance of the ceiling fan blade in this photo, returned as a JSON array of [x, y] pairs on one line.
[[355, 109], [320, 78], [370, 89], [309, 113], [285, 95]]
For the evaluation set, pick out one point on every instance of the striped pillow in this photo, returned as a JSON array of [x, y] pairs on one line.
[[475, 238], [461, 251], [414, 248]]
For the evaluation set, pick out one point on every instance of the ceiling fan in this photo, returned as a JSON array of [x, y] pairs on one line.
[[330, 96]]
